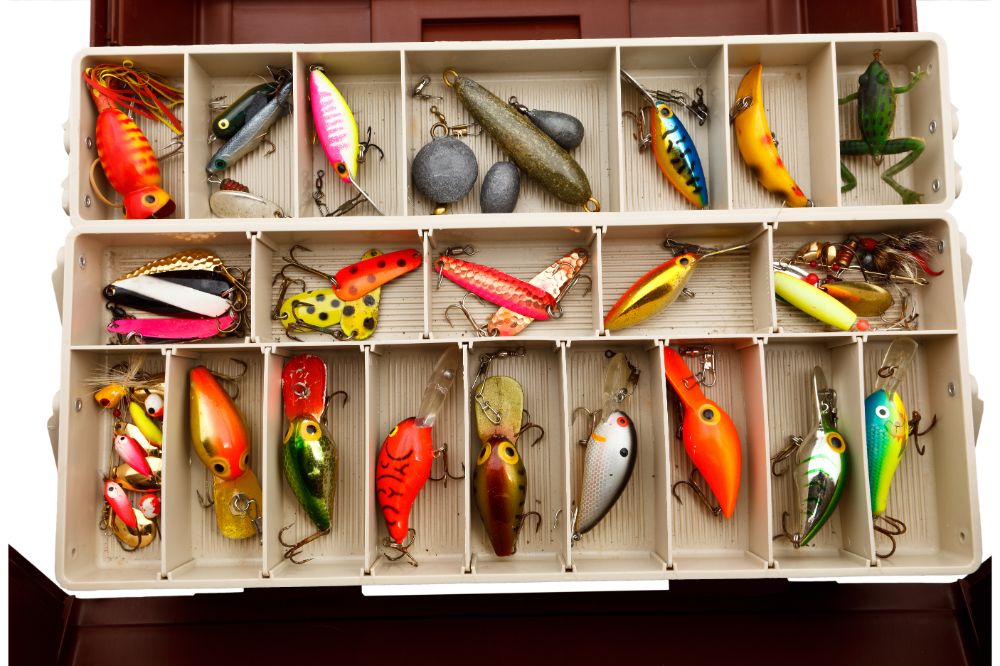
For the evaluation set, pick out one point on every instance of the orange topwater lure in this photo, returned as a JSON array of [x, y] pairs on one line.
[[710, 437], [123, 150]]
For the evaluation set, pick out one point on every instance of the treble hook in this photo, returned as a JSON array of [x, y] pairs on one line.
[[201, 499], [917, 434], [292, 260], [538, 523], [698, 491], [293, 550], [794, 442], [443, 454], [530, 426], [640, 134], [366, 144], [795, 539], [402, 548], [283, 290], [481, 330], [592, 416], [896, 528], [241, 505], [300, 325]]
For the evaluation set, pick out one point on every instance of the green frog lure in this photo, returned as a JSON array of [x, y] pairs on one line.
[[876, 98]]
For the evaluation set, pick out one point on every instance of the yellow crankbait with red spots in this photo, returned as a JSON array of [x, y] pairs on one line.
[[123, 150], [757, 144]]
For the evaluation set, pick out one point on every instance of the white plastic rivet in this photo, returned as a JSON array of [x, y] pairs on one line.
[[932, 126], [951, 389], [83, 261], [940, 247], [90, 142], [79, 404], [961, 536], [87, 201], [935, 184]]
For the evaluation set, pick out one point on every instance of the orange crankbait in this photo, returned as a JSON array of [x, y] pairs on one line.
[[710, 437], [123, 150], [218, 433]]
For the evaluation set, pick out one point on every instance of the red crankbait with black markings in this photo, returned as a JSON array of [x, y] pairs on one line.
[[404, 462], [356, 280], [499, 288]]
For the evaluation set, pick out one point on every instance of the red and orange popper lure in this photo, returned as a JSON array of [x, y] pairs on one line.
[[123, 150], [710, 437], [404, 461]]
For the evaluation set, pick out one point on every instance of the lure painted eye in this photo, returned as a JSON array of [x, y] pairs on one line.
[[223, 124], [149, 198], [484, 455], [622, 421], [665, 112], [310, 430], [623, 453], [836, 442], [882, 412], [341, 168], [220, 467], [684, 261], [508, 453], [154, 405], [708, 414], [392, 433]]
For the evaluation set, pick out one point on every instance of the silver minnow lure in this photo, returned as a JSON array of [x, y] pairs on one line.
[[607, 467], [252, 133]]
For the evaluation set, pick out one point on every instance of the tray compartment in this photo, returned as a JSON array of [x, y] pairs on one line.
[[539, 372], [707, 545], [401, 309], [371, 83], [87, 558], [87, 205], [806, 132], [935, 302], [197, 553], [732, 290], [939, 532], [683, 68], [99, 258], [397, 376], [272, 177], [633, 538], [338, 555], [915, 111], [844, 542], [580, 81], [523, 252]]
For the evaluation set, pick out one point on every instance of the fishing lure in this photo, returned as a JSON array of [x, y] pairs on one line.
[[191, 281], [564, 129], [499, 288], [234, 199], [756, 141], [173, 329], [710, 436], [821, 473], [237, 506], [403, 464], [673, 148], [252, 134], [876, 97], [130, 538], [499, 484], [661, 286], [118, 501], [151, 432], [886, 426], [123, 150], [218, 432], [308, 453], [354, 281], [125, 382], [557, 279], [815, 302], [233, 117], [134, 456], [529, 147], [336, 128], [130, 479], [612, 449], [149, 506]]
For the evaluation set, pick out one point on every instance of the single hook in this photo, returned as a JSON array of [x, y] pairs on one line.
[[794, 539], [443, 454], [572, 283], [286, 282], [292, 260], [895, 527], [231, 382], [794, 443], [555, 518], [293, 550], [698, 491], [538, 523], [530, 426]]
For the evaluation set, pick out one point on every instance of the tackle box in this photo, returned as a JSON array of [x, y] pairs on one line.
[[764, 351]]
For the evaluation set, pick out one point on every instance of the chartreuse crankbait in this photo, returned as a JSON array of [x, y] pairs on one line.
[[123, 150], [756, 141], [673, 148], [336, 128], [219, 438], [887, 427], [612, 449], [530, 148], [308, 453], [710, 437], [403, 464], [876, 97], [661, 286], [820, 462]]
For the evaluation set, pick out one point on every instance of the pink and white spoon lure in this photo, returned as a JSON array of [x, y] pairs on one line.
[[336, 128]]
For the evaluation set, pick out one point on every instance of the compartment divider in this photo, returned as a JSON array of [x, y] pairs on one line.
[[836, 124], [194, 79], [566, 520], [176, 491], [302, 201], [824, 133], [616, 183], [466, 388], [197, 150], [762, 283], [427, 271], [759, 495], [663, 511], [597, 288], [262, 253], [402, 164], [371, 450], [271, 476], [720, 132]]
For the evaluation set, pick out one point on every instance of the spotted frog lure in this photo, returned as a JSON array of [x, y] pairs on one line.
[[710, 436], [557, 280], [876, 98], [661, 286], [403, 463], [497, 287], [612, 449], [756, 141], [673, 147], [820, 462], [308, 453], [123, 151]]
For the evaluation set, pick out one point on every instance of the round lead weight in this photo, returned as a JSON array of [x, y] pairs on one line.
[[444, 170], [501, 187]]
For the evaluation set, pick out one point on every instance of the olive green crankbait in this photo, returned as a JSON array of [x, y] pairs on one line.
[[529, 147]]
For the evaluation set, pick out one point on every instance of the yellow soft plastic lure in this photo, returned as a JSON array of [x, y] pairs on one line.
[[814, 301], [756, 143]]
